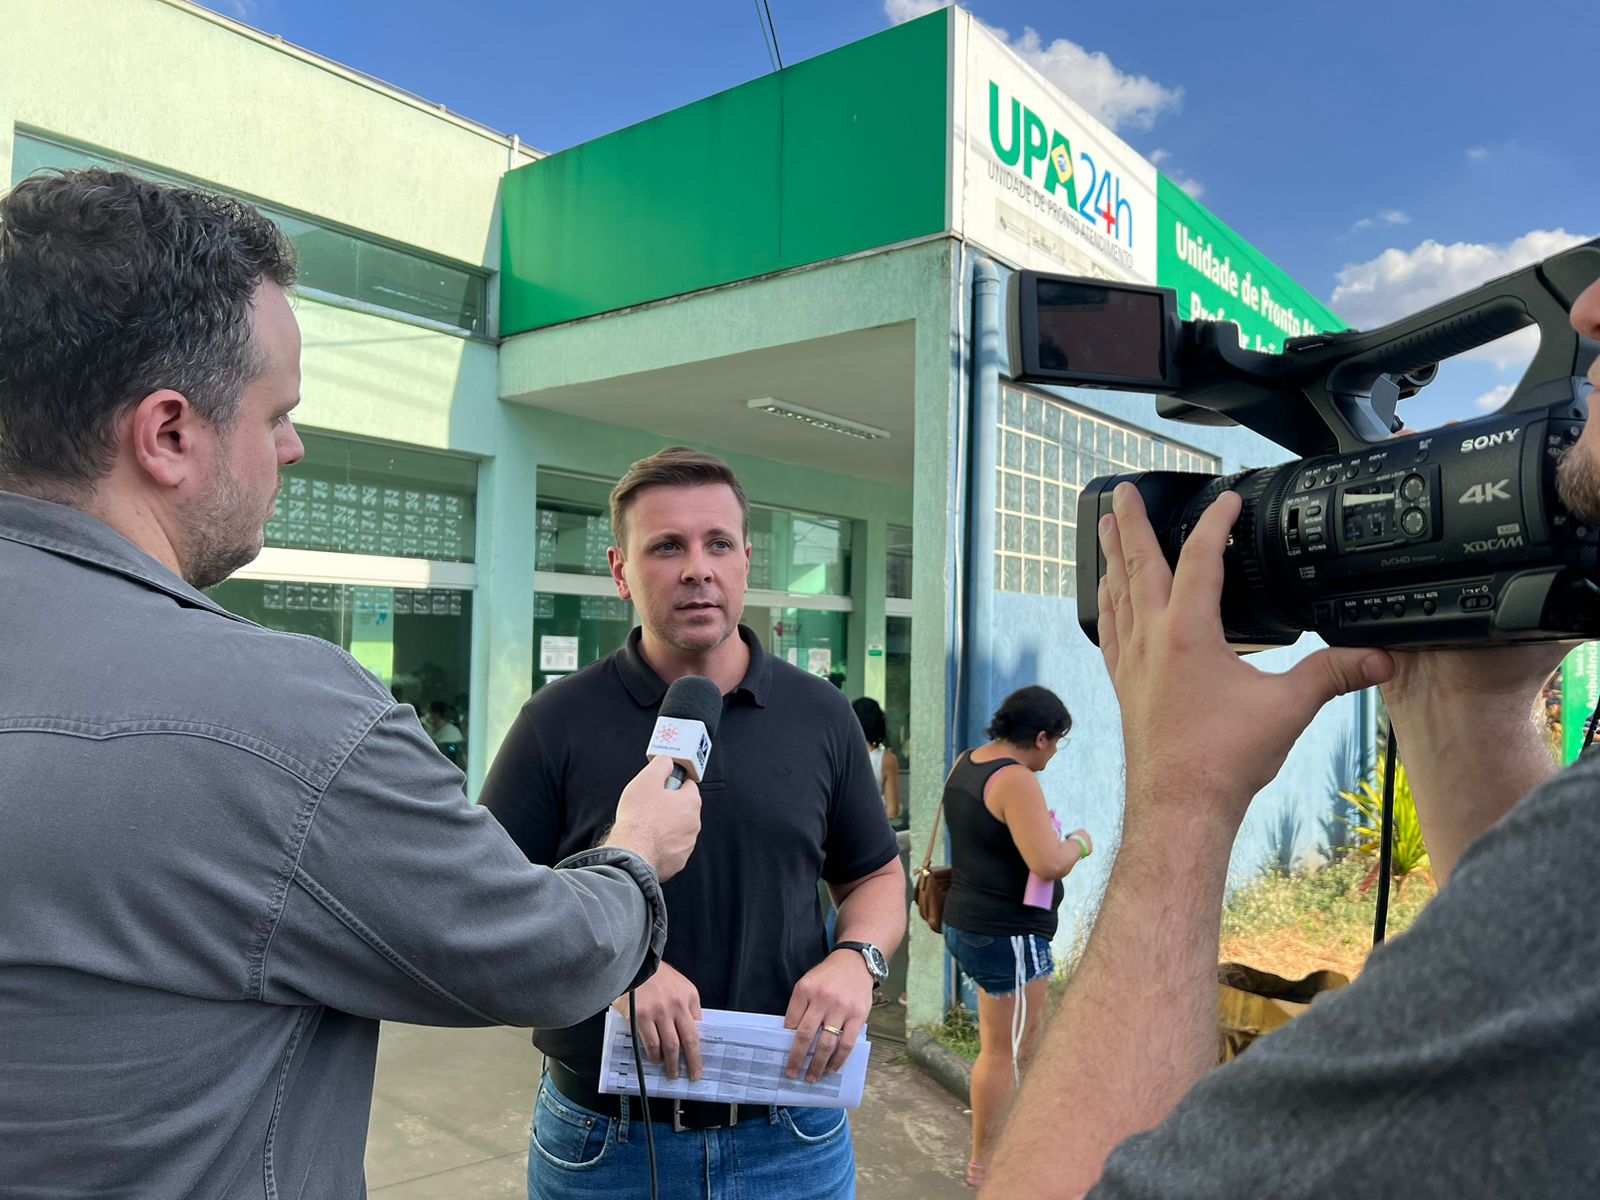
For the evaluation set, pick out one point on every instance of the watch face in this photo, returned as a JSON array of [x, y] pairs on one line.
[[876, 963]]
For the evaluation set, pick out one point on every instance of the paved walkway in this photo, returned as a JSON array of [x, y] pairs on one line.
[[451, 1109]]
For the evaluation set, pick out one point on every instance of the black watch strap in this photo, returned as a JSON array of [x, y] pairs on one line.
[[869, 952]]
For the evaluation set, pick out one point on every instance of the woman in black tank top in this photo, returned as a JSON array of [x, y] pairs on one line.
[[1007, 857]]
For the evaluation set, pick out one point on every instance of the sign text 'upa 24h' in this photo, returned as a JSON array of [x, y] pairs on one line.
[[1022, 140]]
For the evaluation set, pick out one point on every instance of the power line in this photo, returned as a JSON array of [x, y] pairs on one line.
[[765, 40], [773, 29]]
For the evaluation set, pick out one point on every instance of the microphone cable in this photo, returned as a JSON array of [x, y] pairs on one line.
[[1380, 919], [644, 1097], [1388, 836]]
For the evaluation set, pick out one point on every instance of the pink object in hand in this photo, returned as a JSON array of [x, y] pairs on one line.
[[1041, 893]]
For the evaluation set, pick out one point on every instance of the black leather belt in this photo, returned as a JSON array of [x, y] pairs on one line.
[[682, 1115]]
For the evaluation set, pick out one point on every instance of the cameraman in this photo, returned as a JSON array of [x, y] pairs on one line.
[[1463, 1060]]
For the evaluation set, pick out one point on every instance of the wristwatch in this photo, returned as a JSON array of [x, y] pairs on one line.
[[877, 965]]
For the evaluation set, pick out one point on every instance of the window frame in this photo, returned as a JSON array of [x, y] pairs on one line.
[[273, 210]]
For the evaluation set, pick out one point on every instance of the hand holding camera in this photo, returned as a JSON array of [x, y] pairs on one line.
[[1194, 714]]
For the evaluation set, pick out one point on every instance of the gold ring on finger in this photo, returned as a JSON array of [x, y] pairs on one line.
[[833, 1029]]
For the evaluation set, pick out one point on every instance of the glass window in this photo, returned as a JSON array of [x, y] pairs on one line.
[[574, 524], [333, 260], [799, 552], [570, 632], [897, 584], [814, 640], [897, 690], [369, 498], [1047, 452], [418, 642]]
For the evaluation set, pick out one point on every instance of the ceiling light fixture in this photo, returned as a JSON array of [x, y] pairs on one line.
[[821, 420]]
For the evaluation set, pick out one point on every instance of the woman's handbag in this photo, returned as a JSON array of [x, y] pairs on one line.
[[932, 882]]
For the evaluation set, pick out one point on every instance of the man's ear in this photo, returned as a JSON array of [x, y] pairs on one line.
[[617, 562], [160, 432]]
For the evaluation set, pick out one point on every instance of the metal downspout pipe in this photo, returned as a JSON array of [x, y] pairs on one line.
[[982, 470], [974, 672]]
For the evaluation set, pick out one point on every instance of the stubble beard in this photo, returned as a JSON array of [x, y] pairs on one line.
[[1578, 484], [223, 535], [695, 644]]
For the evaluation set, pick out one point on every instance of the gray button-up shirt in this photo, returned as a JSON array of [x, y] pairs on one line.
[[225, 855]]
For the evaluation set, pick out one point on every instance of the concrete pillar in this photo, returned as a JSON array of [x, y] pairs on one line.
[[869, 571], [502, 610]]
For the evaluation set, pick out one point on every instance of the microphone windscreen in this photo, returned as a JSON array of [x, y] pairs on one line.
[[694, 698]]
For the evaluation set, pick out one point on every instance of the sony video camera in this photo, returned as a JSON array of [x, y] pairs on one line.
[[1450, 537]]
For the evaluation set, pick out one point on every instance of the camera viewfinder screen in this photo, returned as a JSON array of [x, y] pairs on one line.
[[1101, 330]]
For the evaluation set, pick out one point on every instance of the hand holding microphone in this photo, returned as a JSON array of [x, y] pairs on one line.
[[658, 815], [687, 722]]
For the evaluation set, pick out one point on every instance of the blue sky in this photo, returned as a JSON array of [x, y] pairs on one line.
[[1385, 154]]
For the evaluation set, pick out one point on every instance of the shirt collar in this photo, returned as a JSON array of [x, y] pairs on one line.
[[71, 533], [647, 688]]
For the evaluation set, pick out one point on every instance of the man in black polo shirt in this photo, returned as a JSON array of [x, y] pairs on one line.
[[788, 799]]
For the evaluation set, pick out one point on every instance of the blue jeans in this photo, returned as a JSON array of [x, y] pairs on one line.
[[791, 1154]]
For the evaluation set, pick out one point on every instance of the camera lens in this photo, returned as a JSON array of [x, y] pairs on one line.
[[1252, 611]]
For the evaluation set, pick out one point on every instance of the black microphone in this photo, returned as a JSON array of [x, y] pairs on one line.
[[685, 726]]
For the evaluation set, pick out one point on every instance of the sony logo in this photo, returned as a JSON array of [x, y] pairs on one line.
[[1494, 543], [1484, 441]]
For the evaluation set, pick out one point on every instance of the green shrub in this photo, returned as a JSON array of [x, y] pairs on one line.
[[1410, 855], [958, 1031]]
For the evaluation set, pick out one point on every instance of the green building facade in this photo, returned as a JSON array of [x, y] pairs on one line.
[[789, 274]]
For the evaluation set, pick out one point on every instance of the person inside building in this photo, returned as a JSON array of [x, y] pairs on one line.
[[444, 731], [790, 799], [1007, 858], [228, 853], [1462, 1060], [885, 763]]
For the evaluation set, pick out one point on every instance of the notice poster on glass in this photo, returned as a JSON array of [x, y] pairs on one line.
[[558, 654]]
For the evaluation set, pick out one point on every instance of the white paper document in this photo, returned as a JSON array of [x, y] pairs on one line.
[[743, 1055]]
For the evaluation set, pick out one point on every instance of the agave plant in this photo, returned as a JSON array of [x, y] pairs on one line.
[[1349, 765], [1410, 855]]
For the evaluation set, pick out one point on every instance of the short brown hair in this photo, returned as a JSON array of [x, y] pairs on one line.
[[113, 287], [676, 466]]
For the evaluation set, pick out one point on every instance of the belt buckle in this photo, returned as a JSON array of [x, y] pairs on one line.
[[679, 1127]]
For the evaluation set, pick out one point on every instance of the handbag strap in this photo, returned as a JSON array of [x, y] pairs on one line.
[[933, 837]]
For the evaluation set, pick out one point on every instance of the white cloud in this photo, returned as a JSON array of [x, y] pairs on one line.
[[901, 11], [1477, 153], [239, 10], [1494, 397], [1389, 216], [1178, 176], [1116, 98], [1399, 282]]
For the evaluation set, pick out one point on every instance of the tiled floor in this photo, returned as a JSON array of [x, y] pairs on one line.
[[451, 1109]]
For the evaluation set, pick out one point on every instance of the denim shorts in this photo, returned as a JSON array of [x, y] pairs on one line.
[[992, 961]]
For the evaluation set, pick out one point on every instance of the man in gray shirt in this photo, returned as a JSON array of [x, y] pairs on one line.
[[225, 853], [1465, 1059]]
